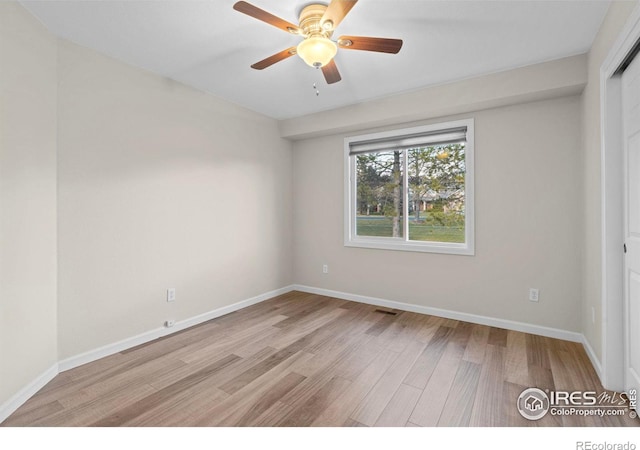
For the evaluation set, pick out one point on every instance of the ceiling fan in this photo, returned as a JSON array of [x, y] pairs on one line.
[[316, 25]]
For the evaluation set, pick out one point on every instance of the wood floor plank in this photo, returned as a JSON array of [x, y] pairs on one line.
[[431, 403], [351, 322], [319, 324], [352, 423], [462, 334], [394, 337], [515, 362], [339, 411], [386, 320], [497, 337], [341, 348], [258, 370], [270, 398], [400, 407], [307, 412], [235, 406], [302, 302], [141, 375], [354, 363], [165, 378], [280, 305], [377, 399], [425, 329], [253, 346], [309, 310], [86, 413], [488, 406], [182, 407], [360, 356], [537, 354], [402, 332], [84, 381], [266, 365], [225, 342], [435, 321], [424, 366], [308, 360], [86, 371], [441, 322], [166, 394], [272, 416], [459, 403], [477, 344], [541, 377]]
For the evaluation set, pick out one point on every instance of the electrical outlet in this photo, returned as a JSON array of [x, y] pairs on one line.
[[533, 294], [169, 323], [325, 268], [171, 294]]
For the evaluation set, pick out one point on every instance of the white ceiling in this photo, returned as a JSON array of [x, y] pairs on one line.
[[208, 45]]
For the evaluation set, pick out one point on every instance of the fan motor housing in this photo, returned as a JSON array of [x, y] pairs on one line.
[[310, 17]]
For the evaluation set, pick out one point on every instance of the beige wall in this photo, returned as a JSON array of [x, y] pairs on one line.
[[161, 186], [528, 215], [27, 200], [592, 209]]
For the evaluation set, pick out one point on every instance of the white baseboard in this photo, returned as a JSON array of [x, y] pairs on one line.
[[110, 349], [447, 314], [24, 394]]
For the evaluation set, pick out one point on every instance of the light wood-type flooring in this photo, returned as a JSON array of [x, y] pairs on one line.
[[307, 360]]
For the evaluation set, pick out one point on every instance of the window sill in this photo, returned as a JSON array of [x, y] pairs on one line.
[[411, 246]]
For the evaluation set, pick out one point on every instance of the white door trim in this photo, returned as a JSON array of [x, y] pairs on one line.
[[612, 188]]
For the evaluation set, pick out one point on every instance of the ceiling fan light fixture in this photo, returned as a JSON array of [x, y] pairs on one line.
[[317, 51], [317, 22]]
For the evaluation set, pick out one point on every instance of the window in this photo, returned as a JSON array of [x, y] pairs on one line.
[[411, 189]]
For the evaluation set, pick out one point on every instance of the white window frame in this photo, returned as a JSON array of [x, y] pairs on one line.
[[351, 239]]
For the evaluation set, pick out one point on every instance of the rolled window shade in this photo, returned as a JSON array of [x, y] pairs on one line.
[[430, 139]]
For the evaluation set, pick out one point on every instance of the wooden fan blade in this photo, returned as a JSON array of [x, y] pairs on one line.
[[284, 54], [336, 12], [331, 73], [264, 16], [370, 44]]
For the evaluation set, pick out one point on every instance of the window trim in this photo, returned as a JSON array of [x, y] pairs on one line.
[[351, 239]]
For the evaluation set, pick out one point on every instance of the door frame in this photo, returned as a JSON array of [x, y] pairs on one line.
[[612, 194]]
